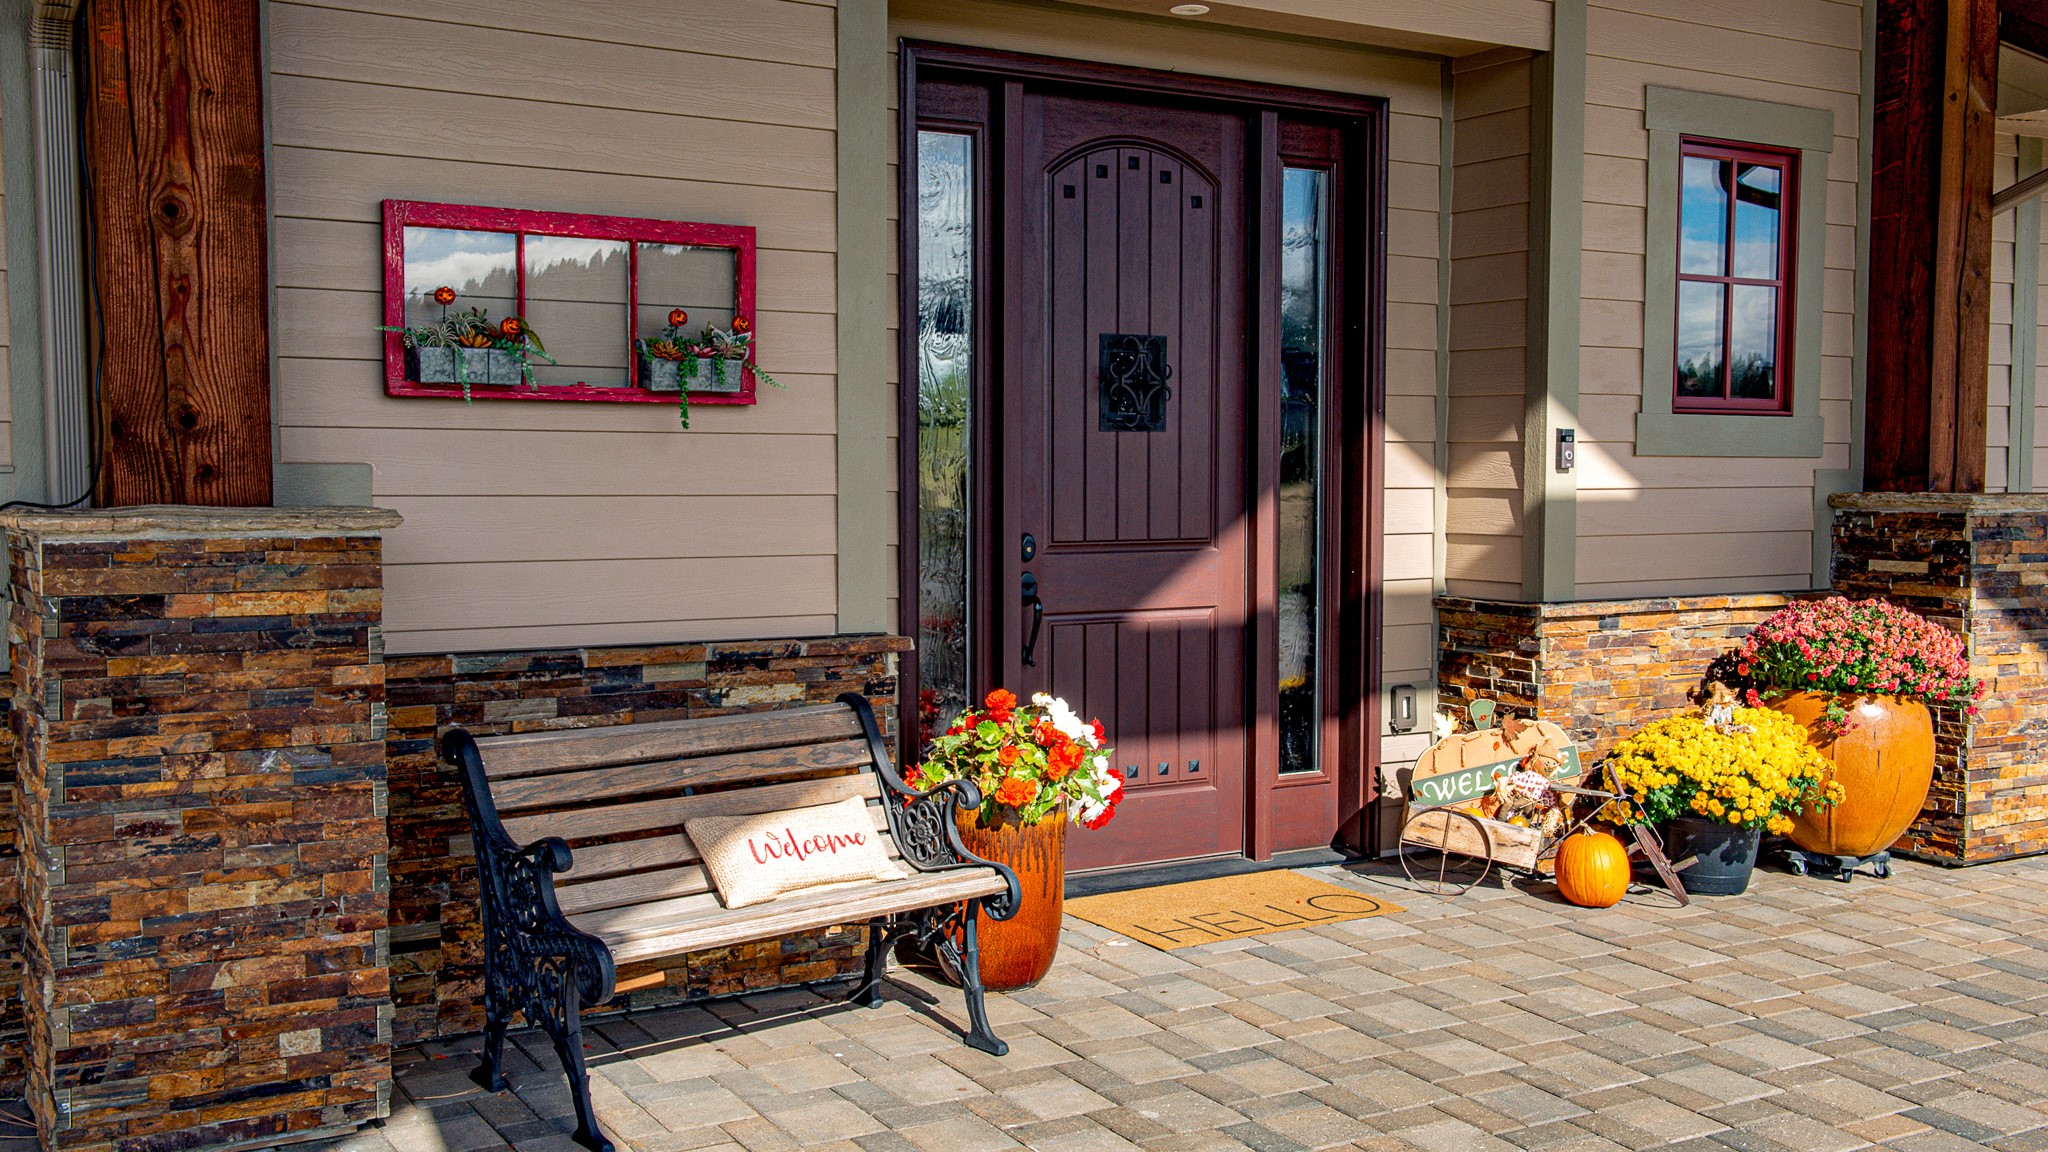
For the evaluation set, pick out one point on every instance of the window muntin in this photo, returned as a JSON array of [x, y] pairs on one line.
[[1735, 243]]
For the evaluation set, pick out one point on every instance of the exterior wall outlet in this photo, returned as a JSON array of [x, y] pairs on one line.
[[1567, 449], [1401, 709]]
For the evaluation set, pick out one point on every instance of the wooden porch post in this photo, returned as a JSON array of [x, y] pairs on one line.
[[1930, 250], [175, 202]]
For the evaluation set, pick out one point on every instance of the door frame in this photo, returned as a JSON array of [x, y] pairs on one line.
[[1355, 437]]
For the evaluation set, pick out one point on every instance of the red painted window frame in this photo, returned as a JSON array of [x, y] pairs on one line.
[[1787, 164], [401, 214]]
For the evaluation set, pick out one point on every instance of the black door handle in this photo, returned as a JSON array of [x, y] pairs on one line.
[[1037, 607]]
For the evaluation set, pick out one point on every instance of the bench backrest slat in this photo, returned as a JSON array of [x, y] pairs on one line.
[[668, 813], [618, 875], [612, 783], [537, 753]]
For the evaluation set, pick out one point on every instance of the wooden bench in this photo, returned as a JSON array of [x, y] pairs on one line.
[[584, 865]]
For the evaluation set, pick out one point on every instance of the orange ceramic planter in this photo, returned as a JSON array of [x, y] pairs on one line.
[[1884, 763], [1017, 953]]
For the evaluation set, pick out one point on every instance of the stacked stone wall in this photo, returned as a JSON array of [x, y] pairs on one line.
[[1599, 668], [1977, 564]]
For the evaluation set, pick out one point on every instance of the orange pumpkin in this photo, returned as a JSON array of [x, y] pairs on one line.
[[1592, 870], [444, 295], [677, 317]]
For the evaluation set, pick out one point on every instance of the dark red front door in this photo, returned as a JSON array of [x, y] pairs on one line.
[[1123, 454]]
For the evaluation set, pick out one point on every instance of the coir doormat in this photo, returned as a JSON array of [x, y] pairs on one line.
[[1226, 908]]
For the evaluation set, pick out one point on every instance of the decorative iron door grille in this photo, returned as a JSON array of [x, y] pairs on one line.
[[1134, 373]]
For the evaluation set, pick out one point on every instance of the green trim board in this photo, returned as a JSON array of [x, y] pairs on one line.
[[866, 411], [1550, 498], [1669, 114], [2026, 321], [28, 477], [322, 485], [1828, 482]]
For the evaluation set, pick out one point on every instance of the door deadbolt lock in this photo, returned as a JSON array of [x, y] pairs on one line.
[[1027, 548]]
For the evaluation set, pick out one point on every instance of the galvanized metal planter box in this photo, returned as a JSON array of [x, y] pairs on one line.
[[658, 375], [477, 366]]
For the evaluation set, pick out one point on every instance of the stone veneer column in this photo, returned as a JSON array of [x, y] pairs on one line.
[[1978, 564], [198, 698]]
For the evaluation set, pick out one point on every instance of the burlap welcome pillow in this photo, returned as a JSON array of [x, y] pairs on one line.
[[753, 859]]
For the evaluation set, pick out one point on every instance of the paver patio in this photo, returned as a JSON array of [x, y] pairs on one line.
[[1806, 1015]]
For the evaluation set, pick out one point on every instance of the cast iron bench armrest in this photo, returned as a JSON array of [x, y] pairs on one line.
[[523, 921], [922, 822]]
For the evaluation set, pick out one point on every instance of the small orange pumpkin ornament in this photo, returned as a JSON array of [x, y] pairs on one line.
[[444, 295], [510, 328], [1592, 870], [741, 324], [677, 317]]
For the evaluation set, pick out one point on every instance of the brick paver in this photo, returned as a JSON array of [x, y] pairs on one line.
[[1807, 1015]]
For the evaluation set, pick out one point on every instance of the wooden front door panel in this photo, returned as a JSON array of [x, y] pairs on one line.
[[1130, 220]]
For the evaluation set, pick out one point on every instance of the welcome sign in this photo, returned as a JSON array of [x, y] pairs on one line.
[[1463, 784], [1463, 767]]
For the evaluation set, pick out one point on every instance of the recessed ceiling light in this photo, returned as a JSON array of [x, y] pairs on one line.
[[1189, 9]]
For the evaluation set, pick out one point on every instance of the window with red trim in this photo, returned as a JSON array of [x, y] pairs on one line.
[[1735, 260], [590, 287]]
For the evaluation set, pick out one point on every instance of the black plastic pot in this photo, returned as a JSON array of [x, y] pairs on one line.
[[1724, 855]]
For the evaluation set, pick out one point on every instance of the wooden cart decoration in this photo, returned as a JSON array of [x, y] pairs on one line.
[[1506, 795]]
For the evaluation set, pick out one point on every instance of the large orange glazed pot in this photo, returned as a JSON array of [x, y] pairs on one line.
[[1017, 953], [1884, 762]]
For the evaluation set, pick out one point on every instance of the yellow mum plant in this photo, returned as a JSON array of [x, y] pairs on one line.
[[1756, 772]]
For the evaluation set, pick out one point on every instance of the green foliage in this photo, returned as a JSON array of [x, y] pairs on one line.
[[711, 345]]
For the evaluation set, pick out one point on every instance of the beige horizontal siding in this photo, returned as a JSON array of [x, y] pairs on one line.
[[1671, 525], [1998, 391], [541, 523], [1492, 134]]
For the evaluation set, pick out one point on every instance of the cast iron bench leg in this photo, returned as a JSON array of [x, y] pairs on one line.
[[980, 1035], [870, 993], [569, 1046], [489, 1073]]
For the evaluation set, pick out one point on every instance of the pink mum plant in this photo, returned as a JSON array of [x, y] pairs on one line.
[[1857, 648]]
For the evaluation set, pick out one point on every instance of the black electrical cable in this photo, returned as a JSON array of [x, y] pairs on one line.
[[81, 45]]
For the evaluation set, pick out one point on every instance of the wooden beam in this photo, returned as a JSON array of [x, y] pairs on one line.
[[176, 203], [1959, 415], [1930, 261]]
